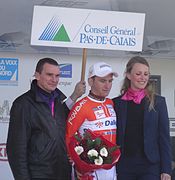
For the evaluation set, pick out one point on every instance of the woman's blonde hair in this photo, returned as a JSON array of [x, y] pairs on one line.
[[149, 90]]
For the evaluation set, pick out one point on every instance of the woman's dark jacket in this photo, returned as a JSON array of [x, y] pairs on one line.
[[36, 140], [157, 147]]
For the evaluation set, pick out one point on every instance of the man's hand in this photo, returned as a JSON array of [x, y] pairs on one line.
[[79, 90]]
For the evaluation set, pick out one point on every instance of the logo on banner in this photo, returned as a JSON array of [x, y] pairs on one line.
[[55, 31], [66, 70], [3, 152], [8, 71], [4, 112]]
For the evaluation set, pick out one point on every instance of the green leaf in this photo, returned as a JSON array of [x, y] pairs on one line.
[[112, 149], [97, 142], [77, 137], [108, 160], [90, 144]]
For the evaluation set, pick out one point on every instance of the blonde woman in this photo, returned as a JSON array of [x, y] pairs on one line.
[[143, 127]]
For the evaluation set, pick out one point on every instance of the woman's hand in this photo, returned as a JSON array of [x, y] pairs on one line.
[[165, 176]]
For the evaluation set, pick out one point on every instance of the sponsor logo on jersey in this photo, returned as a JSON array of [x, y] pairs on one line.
[[111, 110], [106, 123], [110, 122], [99, 124], [99, 113], [76, 110]]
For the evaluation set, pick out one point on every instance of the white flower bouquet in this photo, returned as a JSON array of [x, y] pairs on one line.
[[91, 152]]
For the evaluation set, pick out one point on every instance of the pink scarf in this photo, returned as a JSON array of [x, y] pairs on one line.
[[136, 96]]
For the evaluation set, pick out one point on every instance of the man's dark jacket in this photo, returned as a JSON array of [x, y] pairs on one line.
[[36, 140]]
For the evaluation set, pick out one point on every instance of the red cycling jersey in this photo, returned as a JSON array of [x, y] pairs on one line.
[[98, 116]]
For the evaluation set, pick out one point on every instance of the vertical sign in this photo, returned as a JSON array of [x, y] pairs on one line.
[[8, 71]]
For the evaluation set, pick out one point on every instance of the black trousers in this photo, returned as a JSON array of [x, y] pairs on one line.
[[137, 168], [41, 179]]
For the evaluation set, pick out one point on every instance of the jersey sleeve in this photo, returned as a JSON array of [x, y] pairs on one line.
[[75, 119]]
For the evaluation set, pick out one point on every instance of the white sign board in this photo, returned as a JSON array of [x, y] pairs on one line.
[[85, 28], [172, 127]]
